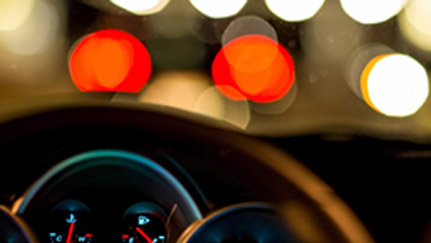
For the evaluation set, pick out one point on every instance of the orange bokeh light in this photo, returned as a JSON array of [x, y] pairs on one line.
[[364, 79], [256, 66], [110, 61]]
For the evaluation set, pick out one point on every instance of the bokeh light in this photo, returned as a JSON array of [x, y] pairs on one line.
[[33, 52], [279, 106], [415, 23], [218, 9], [255, 66], [175, 89], [395, 85], [194, 92], [14, 13], [110, 60], [36, 33], [357, 62], [146, 7], [372, 11], [247, 25], [294, 10], [213, 104]]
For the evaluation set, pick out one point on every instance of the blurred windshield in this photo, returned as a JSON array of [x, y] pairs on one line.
[[274, 67]]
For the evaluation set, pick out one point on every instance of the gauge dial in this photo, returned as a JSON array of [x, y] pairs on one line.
[[70, 222], [144, 223]]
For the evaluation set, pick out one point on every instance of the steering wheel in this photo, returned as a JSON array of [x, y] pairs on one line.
[[244, 189]]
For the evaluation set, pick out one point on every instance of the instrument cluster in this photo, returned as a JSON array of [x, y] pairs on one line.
[[73, 221], [102, 195]]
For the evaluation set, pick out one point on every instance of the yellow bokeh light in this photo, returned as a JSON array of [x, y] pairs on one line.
[[212, 103], [14, 12], [193, 92], [36, 34], [175, 89], [415, 23]]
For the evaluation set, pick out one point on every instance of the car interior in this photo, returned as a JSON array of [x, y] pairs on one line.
[[195, 121]]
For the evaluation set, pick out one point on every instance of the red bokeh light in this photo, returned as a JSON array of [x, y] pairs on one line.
[[256, 66], [111, 61]]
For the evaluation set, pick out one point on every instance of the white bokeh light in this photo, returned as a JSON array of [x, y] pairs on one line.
[[359, 60], [372, 11], [144, 7], [175, 89], [247, 25], [193, 92], [213, 104], [36, 34], [14, 12], [397, 85], [415, 23], [218, 8], [294, 10]]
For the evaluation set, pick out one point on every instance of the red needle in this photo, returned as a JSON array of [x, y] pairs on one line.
[[144, 235], [69, 235]]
